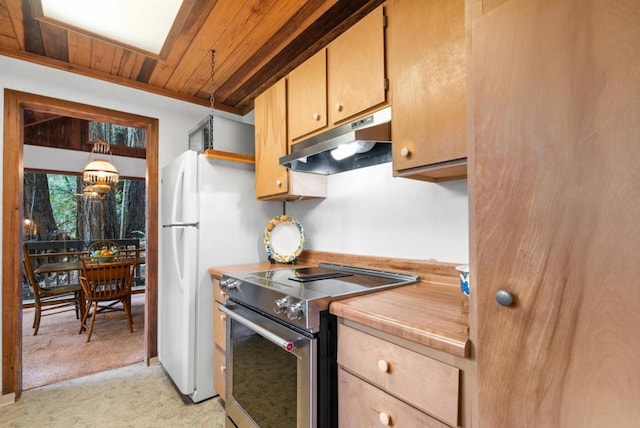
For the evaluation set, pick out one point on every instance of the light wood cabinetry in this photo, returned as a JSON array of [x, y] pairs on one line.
[[272, 180], [554, 213], [356, 68], [369, 406], [382, 370], [307, 96], [342, 81], [219, 339], [427, 73]]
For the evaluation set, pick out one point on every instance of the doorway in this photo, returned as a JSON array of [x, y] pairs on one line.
[[15, 103]]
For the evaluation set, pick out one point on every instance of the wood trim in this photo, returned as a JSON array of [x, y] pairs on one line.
[[14, 104], [61, 65], [11, 244], [229, 156]]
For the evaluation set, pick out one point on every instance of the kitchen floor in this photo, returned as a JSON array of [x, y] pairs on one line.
[[134, 396]]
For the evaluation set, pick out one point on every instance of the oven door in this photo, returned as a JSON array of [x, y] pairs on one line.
[[271, 372]]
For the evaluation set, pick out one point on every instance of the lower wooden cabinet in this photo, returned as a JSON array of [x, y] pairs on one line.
[[387, 383], [219, 332], [362, 404], [220, 371]]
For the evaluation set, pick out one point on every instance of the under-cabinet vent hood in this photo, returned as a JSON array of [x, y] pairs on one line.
[[361, 143]]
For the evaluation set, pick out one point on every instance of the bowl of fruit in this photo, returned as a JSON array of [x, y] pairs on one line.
[[104, 255]]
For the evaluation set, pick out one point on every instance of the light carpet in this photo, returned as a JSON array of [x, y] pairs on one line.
[[132, 396], [59, 353]]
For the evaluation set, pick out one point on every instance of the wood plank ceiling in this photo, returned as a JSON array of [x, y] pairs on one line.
[[257, 42]]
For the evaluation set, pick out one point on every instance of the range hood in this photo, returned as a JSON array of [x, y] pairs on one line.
[[361, 143]]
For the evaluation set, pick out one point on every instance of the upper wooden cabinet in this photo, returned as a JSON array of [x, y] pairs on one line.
[[356, 69], [272, 180], [427, 72], [307, 96], [271, 140]]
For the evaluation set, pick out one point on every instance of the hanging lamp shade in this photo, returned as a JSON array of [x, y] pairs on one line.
[[100, 173]]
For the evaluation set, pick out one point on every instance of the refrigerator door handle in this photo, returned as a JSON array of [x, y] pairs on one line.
[[196, 224]]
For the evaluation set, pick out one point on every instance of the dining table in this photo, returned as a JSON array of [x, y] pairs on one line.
[[67, 266], [72, 265]]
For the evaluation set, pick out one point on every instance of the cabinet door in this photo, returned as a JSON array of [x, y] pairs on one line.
[[555, 213], [271, 140], [219, 371], [355, 62], [307, 96], [427, 74]]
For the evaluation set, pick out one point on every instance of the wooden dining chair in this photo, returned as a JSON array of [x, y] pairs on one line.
[[106, 288], [50, 300]]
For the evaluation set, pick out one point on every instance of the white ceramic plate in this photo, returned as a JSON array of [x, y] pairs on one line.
[[283, 239]]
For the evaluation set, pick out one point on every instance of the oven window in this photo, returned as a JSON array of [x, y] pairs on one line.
[[264, 379]]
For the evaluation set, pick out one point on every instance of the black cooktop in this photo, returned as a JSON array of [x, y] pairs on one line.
[[327, 280]]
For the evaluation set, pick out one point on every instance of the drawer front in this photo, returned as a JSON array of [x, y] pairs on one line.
[[219, 327], [218, 295], [219, 371], [423, 382], [362, 404]]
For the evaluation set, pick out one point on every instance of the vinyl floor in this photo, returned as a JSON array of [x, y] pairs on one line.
[[131, 396]]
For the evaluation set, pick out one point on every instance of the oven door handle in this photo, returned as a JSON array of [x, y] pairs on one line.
[[288, 345]]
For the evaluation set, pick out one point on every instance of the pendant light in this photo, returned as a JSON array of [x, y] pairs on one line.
[[100, 173]]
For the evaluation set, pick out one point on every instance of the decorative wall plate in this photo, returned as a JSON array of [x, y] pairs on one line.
[[283, 239]]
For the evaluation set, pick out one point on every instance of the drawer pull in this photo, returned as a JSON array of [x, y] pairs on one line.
[[384, 419], [383, 366]]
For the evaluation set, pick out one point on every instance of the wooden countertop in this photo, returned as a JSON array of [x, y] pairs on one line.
[[431, 314], [218, 271]]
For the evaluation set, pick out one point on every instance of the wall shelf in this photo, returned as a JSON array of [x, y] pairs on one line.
[[229, 156]]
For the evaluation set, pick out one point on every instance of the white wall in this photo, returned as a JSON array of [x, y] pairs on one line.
[[369, 212], [48, 158], [175, 117]]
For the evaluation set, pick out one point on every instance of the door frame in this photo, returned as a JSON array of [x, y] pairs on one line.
[[15, 102]]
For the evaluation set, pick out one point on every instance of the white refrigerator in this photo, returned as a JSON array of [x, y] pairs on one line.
[[209, 217]]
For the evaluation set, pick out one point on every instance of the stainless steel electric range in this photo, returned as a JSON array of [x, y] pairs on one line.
[[281, 341]]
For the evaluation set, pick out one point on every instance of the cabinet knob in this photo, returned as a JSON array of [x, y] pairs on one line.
[[279, 183], [504, 298], [223, 317], [223, 368], [316, 116], [339, 106], [404, 152], [383, 366], [384, 419]]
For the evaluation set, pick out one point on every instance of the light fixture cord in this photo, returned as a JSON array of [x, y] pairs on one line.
[[212, 100]]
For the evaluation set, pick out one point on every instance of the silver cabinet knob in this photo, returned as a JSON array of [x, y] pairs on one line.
[[504, 298]]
